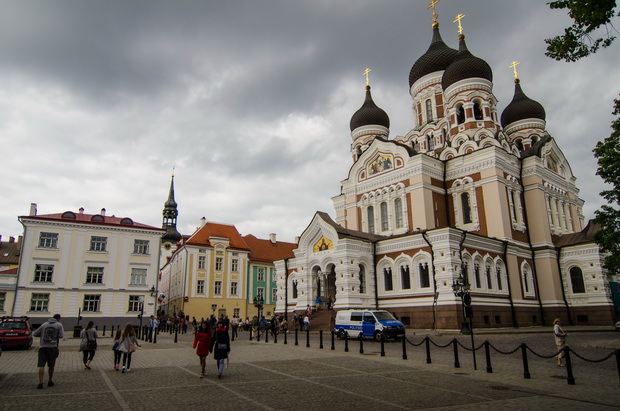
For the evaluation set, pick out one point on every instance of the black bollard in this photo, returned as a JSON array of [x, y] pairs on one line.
[[428, 350], [526, 368], [334, 345], [155, 336], [296, 343], [382, 345], [361, 344], [258, 334], [250, 333], [308, 337], [176, 333], [285, 337], [104, 330], [346, 342], [569, 367], [487, 354], [275, 338], [617, 354], [404, 340], [321, 339], [266, 335], [455, 348], [112, 332]]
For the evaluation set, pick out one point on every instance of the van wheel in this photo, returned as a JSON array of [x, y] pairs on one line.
[[341, 334], [378, 336]]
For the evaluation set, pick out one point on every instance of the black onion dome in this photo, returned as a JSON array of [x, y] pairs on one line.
[[521, 107], [172, 235], [437, 58], [369, 114], [465, 65]]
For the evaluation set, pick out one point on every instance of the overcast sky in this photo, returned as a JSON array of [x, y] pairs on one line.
[[250, 101]]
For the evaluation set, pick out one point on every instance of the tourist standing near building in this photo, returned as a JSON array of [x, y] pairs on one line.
[[50, 332]]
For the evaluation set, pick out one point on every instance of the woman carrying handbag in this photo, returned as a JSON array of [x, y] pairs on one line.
[[220, 345], [88, 345], [202, 344], [127, 346]]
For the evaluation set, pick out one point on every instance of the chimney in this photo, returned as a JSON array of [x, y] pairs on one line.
[[81, 210], [33, 209], [272, 238], [103, 212], [11, 239], [203, 221]]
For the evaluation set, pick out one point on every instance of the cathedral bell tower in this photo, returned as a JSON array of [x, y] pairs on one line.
[[172, 236]]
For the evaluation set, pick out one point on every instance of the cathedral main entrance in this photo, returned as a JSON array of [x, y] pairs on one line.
[[325, 290]]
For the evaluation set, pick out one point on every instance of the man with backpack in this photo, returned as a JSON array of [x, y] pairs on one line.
[[50, 332]]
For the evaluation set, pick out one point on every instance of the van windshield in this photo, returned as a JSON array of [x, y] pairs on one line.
[[383, 316]]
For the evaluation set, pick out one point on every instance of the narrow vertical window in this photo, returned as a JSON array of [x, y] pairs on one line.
[[362, 278], [526, 280], [430, 142], [477, 111], [477, 274], [429, 110], [371, 219], [488, 275], [398, 211], [384, 217], [460, 115], [425, 279], [498, 273], [576, 279], [387, 277], [405, 277], [294, 288], [466, 208]]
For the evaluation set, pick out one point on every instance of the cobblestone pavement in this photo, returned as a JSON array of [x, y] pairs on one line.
[[278, 376]]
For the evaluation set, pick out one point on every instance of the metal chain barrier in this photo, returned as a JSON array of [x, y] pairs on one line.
[[415, 345], [440, 346], [469, 349], [505, 352], [591, 361], [540, 355]]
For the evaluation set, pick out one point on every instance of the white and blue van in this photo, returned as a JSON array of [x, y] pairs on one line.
[[368, 324]]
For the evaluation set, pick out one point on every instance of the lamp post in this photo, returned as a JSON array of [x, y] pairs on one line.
[[461, 288], [259, 302], [141, 300]]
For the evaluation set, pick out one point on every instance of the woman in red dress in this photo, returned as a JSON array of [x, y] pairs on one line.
[[202, 343]]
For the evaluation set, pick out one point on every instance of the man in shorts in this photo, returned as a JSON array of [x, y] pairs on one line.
[[50, 332]]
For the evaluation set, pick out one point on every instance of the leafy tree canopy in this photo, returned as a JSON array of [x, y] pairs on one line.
[[578, 40]]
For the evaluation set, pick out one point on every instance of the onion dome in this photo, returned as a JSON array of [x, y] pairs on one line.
[[465, 65], [521, 107], [437, 58], [369, 114]]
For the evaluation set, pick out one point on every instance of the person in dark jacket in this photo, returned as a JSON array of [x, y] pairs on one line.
[[220, 346], [88, 345], [202, 343]]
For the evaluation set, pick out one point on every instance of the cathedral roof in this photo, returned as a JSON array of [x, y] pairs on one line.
[[437, 58], [369, 114], [584, 236], [465, 65], [347, 233], [521, 107]]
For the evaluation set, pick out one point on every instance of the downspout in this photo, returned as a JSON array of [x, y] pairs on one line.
[[570, 318], [512, 305], [374, 257], [434, 280], [184, 281], [286, 288], [157, 279], [21, 254], [461, 257]]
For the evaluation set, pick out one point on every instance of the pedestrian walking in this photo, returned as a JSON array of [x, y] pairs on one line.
[[202, 344], [88, 345], [306, 323], [235, 326], [127, 346], [117, 353], [220, 345], [50, 332], [560, 340]]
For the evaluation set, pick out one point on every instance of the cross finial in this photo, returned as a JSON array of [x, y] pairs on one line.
[[173, 167], [366, 72], [513, 66], [432, 6], [459, 18]]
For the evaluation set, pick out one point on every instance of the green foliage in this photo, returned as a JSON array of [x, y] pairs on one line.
[[607, 152], [577, 41]]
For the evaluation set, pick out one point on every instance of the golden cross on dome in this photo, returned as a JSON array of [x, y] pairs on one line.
[[432, 6], [513, 66], [366, 72], [458, 18]]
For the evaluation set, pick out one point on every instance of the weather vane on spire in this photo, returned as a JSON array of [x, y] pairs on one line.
[[513, 66], [432, 6], [366, 72], [459, 18]]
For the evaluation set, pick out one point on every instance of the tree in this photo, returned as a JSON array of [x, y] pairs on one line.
[[607, 153], [577, 41]]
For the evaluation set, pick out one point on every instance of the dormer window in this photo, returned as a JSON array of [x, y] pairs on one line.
[[68, 214], [97, 218]]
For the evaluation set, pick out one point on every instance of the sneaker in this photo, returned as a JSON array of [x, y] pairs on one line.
[[40, 386], [128, 370], [50, 384], [219, 376], [123, 370], [202, 374]]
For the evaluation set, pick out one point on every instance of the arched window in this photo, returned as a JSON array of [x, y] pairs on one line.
[[430, 142], [371, 219], [466, 207], [477, 111], [576, 280], [488, 274], [477, 274], [526, 280], [294, 288], [460, 115], [384, 217], [465, 272], [398, 211], [405, 277], [362, 278], [387, 279], [425, 278], [498, 274], [429, 110]]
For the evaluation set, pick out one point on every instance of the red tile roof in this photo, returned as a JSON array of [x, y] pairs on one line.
[[9, 251], [268, 252], [201, 237], [81, 218], [9, 271]]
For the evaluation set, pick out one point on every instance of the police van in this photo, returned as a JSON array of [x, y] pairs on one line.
[[368, 324]]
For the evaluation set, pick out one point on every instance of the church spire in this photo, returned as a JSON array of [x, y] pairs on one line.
[[170, 214]]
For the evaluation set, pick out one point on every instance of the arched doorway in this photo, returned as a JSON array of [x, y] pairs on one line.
[[324, 291]]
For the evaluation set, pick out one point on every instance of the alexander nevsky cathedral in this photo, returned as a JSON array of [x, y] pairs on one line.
[[469, 196]]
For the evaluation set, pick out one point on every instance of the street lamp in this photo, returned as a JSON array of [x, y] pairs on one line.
[[141, 300], [461, 288], [259, 302], [153, 291]]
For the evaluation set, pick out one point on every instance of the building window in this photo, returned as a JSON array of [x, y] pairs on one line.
[[362, 278], [39, 302], [138, 276], [261, 274], [141, 247], [200, 287], [233, 288], [466, 208], [384, 217], [235, 265], [398, 211], [488, 275], [371, 219], [425, 278], [260, 293], [429, 110], [294, 288], [387, 279], [134, 303], [405, 277], [576, 280], [202, 262], [430, 142], [218, 263], [274, 295], [48, 240], [94, 275], [465, 272], [477, 274], [98, 243], [460, 115], [218, 288], [477, 111], [91, 303], [498, 274], [2, 300], [43, 273], [237, 312]]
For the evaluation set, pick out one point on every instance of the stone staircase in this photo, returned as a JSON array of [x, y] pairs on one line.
[[322, 320]]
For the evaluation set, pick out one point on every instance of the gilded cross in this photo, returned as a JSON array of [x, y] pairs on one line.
[[366, 72], [513, 66], [458, 18], [432, 6]]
